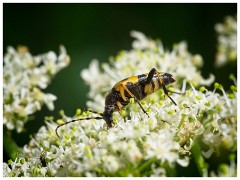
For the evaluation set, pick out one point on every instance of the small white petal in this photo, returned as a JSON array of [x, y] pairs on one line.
[[207, 154]]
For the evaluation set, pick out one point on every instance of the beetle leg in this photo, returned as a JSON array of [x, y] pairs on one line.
[[180, 93], [166, 92], [121, 90], [132, 95], [120, 106], [148, 88], [150, 76]]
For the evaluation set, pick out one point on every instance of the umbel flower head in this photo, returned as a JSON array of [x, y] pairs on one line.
[[138, 144], [24, 77], [227, 41]]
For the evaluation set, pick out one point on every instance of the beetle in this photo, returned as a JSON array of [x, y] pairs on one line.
[[43, 159], [137, 87]]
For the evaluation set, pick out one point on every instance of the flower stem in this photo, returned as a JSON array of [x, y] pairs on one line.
[[146, 165], [197, 154], [10, 146]]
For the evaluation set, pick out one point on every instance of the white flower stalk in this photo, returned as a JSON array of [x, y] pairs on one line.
[[24, 77], [227, 41], [137, 144]]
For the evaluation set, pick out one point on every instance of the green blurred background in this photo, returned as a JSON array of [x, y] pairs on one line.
[[91, 31]]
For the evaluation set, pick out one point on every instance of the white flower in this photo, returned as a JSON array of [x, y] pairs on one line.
[[48, 100], [162, 146], [6, 170], [110, 163], [227, 41], [137, 144], [142, 42], [24, 76], [158, 172]]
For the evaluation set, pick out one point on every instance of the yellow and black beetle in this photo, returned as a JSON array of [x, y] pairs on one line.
[[137, 87]]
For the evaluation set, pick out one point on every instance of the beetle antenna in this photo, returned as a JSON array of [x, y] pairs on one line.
[[74, 120], [95, 112]]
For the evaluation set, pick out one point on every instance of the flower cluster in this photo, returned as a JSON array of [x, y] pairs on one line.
[[227, 41], [138, 144], [24, 77]]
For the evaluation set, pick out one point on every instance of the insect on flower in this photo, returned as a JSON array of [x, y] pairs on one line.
[[43, 159], [137, 87]]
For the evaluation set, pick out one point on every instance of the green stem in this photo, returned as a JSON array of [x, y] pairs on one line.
[[197, 154], [147, 164], [10, 146]]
